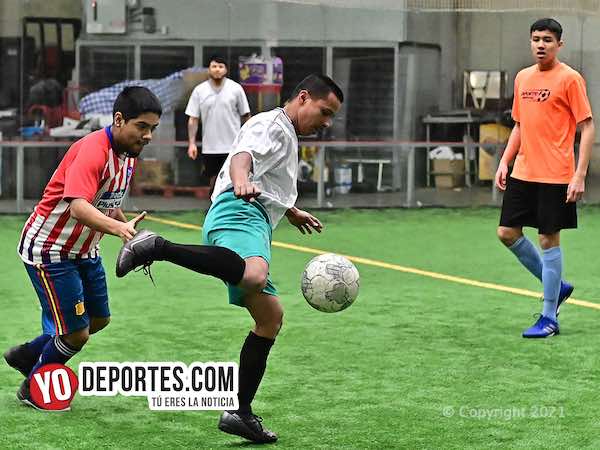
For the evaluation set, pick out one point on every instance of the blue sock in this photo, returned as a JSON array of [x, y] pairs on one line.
[[56, 350], [37, 345], [551, 275], [529, 256]]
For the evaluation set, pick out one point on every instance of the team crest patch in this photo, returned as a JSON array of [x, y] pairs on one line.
[[79, 308], [129, 172]]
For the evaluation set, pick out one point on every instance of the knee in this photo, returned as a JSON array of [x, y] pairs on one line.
[[548, 241], [271, 326], [508, 236], [255, 280], [98, 323], [78, 338]]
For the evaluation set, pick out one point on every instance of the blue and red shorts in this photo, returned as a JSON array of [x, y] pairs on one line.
[[70, 293]]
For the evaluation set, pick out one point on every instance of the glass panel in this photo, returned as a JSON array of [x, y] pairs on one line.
[[103, 66], [160, 61], [298, 62]]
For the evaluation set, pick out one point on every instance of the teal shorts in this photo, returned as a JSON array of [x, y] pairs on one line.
[[243, 227]]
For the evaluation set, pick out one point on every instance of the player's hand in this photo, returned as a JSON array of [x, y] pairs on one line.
[[127, 230], [501, 174], [305, 222], [248, 191], [575, 189], [193, 151]]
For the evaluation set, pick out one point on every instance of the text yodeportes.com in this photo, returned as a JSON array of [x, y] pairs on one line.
[[167, 385]]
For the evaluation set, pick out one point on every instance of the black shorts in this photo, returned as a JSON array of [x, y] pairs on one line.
[[538, 205], [213, 163]]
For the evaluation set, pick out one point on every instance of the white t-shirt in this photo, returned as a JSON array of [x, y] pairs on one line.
[[272, 142], [220, 112]]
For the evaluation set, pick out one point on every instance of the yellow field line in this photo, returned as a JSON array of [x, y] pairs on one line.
[[405, 269]]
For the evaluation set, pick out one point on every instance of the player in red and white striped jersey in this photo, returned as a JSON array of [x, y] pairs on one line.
[[59, 243]]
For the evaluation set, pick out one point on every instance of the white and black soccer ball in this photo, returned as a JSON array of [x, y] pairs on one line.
[[330, 282]]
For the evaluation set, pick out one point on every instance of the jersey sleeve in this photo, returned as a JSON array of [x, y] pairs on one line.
[[516, 115], [578, 99], [266, 144], [242, 102], [84, 174], [193, 106]]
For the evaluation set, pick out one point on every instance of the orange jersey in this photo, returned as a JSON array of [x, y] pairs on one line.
[[548, 106]]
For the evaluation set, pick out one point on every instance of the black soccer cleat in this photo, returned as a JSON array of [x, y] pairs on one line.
[[20, 358], [24, 396], [139, 251], [248, 426]]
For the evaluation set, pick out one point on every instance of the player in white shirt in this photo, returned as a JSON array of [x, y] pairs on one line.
[[255, 188], [222, 106]]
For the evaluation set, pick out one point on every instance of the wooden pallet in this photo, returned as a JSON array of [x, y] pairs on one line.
[[169, 190]]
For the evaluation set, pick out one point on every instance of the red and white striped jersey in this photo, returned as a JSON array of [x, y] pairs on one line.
[[90, 170]]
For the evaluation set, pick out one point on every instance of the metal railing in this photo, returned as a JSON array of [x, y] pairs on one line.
[[402, 161]]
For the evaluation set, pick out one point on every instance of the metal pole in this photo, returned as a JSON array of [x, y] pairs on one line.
[[20, 179], [494, 187], [321, 183], [410, 177]]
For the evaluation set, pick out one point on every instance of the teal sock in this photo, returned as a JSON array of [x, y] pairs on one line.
[[551, 275]]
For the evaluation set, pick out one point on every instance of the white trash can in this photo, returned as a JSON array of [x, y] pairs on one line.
[[343, 178]]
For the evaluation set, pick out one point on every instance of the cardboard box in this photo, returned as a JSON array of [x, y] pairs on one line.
[[449, 173], [152, 172], [490, 133]]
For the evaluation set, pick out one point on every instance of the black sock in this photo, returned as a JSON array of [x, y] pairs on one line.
[[212, 260], [253, 361]]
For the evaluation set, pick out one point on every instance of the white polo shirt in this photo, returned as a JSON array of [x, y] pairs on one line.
[[272, 142], [220, 111]]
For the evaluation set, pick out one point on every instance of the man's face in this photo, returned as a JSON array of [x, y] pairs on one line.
[[544, 46], [216, 70], [133, 135], [315, 114]]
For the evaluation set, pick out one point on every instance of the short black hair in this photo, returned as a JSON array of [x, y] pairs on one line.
[[218, 59], [318, 86], [547, 24], [136, 100]]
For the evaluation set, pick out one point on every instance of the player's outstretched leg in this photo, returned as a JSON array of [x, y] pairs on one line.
[[268, 315], [23, 357], [147, 247]]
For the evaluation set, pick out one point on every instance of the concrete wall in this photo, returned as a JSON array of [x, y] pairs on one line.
[[12, 11], [244, 20]]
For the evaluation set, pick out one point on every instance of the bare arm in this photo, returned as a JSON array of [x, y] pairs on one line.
[[192, 130], [240, 167], [576, 187], [513, 145], [86, 214], [512, 148]]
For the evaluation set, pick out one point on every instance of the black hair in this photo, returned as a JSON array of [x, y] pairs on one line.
[[136, 100], [547, 24], [318, 86], [218, 59]]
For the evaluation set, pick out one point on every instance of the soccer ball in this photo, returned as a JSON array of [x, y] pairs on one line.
[[330, 282]]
